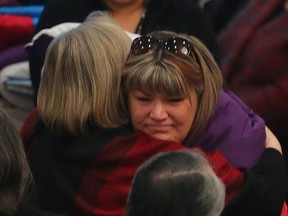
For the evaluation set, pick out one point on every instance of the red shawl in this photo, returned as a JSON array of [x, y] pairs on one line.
[[106, 182]]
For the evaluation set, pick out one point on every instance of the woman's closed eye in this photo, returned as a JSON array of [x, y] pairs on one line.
[[143, 98], [175, 99]]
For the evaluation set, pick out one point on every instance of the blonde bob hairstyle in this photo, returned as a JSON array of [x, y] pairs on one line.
[[81, 79], [161, 71]]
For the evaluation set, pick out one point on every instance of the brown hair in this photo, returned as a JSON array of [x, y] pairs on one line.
[[162, 71]]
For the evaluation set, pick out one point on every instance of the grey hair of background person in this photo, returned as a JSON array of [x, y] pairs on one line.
[[15, 174], [178, 183], [81, 83]]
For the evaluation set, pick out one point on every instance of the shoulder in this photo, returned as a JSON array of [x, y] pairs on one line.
[[235, 130]]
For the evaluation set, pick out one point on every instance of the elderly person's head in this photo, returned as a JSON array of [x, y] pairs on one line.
[[178, 183]]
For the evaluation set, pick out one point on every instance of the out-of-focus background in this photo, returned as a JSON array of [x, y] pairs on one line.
[[18, 115], [18, 19]]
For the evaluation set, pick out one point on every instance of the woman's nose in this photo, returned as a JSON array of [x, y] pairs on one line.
[[158, 112]]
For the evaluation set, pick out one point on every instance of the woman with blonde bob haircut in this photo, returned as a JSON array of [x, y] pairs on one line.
[[80, 110], [85, 91]]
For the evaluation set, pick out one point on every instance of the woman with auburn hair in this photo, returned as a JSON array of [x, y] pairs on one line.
[[183, 68], [173, 83], [158, 71]]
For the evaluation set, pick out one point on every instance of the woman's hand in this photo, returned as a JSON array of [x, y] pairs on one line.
[[272, 141]]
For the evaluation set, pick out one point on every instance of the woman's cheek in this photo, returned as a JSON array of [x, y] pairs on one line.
[[136, 118]]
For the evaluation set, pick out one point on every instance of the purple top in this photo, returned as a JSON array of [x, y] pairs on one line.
[[234, 130], [13, 54]]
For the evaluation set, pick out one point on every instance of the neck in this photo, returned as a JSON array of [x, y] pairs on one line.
[[127, 14]]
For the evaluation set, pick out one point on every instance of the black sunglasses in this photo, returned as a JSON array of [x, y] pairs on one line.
[[175, 45]]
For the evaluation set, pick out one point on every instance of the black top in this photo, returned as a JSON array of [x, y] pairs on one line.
[[221, 12], [265, 188], [29, 210]]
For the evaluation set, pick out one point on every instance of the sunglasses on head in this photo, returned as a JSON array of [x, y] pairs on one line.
[[176, 45]]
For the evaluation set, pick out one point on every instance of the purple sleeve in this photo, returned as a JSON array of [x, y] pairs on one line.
[[235, 130]]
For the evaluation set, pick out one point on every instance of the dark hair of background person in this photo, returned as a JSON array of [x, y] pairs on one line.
[[15, 174]]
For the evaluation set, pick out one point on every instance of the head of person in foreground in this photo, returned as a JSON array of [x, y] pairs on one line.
[[178, 183]]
